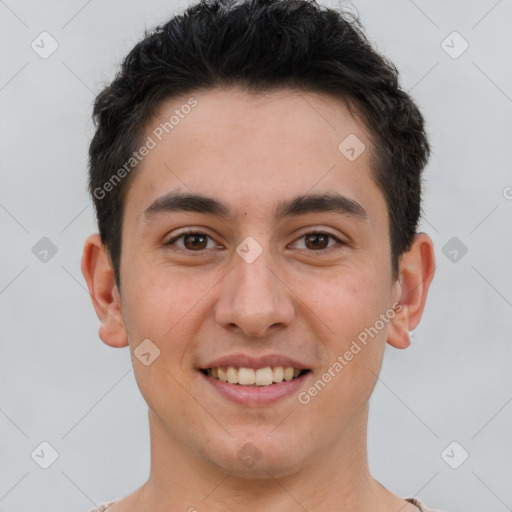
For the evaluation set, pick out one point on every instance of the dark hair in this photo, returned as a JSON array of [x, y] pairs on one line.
[[259, 46]]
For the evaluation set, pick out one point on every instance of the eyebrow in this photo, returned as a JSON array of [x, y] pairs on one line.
[[330, 202]]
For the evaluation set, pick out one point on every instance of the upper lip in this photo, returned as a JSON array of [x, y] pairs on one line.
[[247, 361]]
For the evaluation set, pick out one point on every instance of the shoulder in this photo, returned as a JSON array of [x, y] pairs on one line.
[[102, 507], [414, 501], [420, 505]]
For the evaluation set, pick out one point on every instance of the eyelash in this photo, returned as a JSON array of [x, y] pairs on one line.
[[313, 232]]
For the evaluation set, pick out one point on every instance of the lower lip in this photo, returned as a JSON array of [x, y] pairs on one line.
[[257, 395]]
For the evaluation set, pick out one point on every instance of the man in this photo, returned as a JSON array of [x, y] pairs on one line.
[[256, 173]]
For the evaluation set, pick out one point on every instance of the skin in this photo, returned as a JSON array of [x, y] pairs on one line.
[[252, 152]]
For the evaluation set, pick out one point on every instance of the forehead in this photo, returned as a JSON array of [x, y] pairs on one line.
[[248, 148]]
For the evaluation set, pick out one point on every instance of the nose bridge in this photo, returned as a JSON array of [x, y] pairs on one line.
[[253, 297], [255, 279]]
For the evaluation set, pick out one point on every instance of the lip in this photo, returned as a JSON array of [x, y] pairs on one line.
[[256, 395], [247, 361]]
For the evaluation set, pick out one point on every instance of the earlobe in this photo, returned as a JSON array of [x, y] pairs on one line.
[[99, 275], [416, 273]]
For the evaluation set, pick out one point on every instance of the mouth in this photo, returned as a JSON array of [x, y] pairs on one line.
[[254, 380], [254, 377]]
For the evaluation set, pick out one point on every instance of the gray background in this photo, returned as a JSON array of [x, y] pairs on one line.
[[61, 384]]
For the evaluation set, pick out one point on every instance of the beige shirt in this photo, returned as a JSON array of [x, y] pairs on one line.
[[414, 501]]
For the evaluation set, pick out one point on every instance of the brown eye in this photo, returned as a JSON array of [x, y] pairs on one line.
[[195, 241], [192, 242], [317, 240]]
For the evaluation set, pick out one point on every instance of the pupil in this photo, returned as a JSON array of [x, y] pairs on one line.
[[317, 241]]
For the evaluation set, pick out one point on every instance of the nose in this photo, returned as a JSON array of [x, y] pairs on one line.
[[254, 298]]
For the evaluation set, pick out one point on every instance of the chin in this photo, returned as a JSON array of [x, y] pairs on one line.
[[260, 456]]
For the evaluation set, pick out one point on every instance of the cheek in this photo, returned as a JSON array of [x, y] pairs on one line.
[[353, 332], [167, 307], [159, 307], [347, 302], [160, 299]]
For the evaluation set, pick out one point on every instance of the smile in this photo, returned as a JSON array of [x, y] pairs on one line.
[[254, 376]]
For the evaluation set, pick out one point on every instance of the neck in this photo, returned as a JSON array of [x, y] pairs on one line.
[[180, 479]]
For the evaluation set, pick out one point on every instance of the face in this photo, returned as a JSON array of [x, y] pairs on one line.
[[283, 263]]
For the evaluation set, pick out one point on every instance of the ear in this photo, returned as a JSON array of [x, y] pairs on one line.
[[99, 275], [417, 267]]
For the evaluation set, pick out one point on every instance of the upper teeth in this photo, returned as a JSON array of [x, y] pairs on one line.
[[250, 376]]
